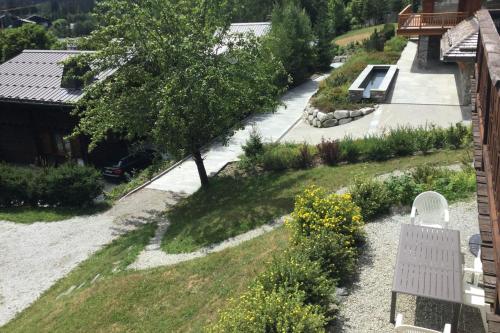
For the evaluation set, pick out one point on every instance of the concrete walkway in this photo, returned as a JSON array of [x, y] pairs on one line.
[[419, 98], [184, 178]]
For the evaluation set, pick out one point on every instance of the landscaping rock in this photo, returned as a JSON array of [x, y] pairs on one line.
[[341, 114], [358, 117], [366, 111], [311, 117], [324, 116], [345, 121], [356, 113], [330, 123]]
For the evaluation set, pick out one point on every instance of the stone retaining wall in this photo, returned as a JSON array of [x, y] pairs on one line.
[[319, 119]]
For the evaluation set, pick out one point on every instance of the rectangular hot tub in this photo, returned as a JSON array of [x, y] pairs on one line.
[[373, 83]]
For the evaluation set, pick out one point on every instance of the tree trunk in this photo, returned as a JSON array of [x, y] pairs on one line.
[[201, 168]]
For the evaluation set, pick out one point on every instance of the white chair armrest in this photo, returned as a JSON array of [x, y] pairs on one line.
[[447, 328], [399, 320], [446, 216], [413, 214]]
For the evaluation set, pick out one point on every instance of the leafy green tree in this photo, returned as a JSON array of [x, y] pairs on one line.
[[182, 80], [28, 36], [60, 28], [292, 40]]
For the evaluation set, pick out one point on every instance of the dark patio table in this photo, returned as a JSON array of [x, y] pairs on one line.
[[429, 264]]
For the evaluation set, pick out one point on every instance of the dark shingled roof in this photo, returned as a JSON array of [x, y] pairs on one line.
[[35, 76], [460, 42]]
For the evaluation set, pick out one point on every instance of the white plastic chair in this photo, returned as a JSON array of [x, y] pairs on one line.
[[401, 328], [430, 209], [473, 294]]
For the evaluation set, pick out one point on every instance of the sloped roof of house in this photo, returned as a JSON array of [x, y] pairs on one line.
[[259, 29], [35, 76], [460, 42]]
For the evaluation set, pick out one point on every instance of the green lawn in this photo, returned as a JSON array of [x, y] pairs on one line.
[[182, 298], [232, 206], [31, 215], [185, 297], [357, 35]]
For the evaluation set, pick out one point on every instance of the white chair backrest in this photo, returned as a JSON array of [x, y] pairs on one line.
[[431, 207]]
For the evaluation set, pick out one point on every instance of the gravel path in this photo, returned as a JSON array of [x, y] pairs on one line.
[[366, 308], [153, 256], [34, 256]]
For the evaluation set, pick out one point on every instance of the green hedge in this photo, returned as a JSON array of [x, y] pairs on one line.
[[68, 185], [398, 142], [375, 197]]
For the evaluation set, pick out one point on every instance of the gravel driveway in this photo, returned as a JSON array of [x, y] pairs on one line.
[[366, 308], [34, 256]]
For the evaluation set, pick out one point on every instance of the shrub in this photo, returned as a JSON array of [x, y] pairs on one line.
[[424, 140], [335, 254], [306, 157], [15, 185], [329, 151], [403, 189], [316, 211], [68, 185], [456, 136], [279, 157], [438, 137], [254, 145], [457, 185], [376, 148], [371, 196], [395, 44], [350, 150], [388, 31], [292, 271], [402, 141], [453, 185], [278, 311]]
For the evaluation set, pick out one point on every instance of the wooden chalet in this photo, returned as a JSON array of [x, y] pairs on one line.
[[36, 113], [435, 17], [486, 125], [431, 21]]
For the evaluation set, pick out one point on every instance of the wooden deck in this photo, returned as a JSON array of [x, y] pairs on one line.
[[427, 24]]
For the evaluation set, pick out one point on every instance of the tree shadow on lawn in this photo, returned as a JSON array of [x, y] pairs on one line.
[[229, 207]]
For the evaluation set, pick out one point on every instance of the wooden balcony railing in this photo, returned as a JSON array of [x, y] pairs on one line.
[[432, 23]]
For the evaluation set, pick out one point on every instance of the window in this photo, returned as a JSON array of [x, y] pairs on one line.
[[442, 6]]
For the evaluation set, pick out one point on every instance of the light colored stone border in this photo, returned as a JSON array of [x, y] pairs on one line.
[[319, 119], [153, 256]]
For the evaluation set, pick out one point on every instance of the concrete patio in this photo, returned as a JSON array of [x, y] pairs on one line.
[[419, 97]]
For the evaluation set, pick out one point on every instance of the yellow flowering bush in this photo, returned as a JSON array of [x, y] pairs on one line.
[[317, 211], [278, 311]]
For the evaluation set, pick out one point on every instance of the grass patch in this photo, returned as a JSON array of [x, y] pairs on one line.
[[182, 298], [333, 92], [232, 206], [357, 35], [29, 215]]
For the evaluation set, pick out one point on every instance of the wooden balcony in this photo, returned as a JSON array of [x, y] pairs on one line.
[[427, 24]]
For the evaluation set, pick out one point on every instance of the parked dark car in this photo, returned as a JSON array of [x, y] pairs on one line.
[[129, 164]]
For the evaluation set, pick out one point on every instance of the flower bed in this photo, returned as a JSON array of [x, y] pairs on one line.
[[297, 290]]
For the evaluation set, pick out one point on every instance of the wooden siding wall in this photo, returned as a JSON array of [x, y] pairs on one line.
[[486, 123]]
